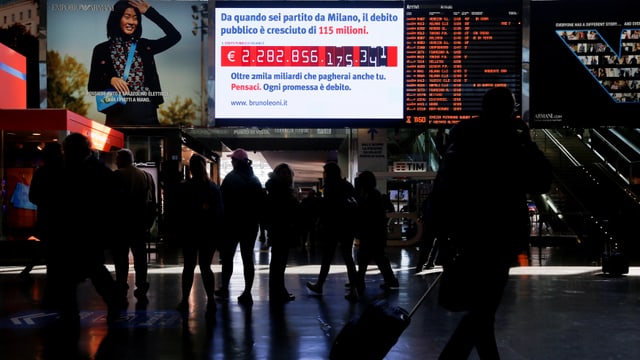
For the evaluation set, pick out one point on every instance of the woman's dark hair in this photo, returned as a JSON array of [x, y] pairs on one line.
[[332, 170], [277, 173], [113, 23], [283, 166], [198, 167]]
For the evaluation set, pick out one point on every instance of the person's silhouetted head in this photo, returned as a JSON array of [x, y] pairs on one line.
[[283, 173], [498, 103], [367, 180], [124, 158], [52, 153], [240, 158], [76, 148], [198, 167], [332, 171]]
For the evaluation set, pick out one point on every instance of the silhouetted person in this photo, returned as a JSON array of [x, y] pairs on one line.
[[82, 228], [201, 213], [486, 240], [282, 219], [133, 187], [372, 232], [243, 200], [43, 191], [310, 209], [429, 240], [336, 228], [388, 204]]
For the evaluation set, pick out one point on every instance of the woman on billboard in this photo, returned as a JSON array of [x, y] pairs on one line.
[[125, 63]]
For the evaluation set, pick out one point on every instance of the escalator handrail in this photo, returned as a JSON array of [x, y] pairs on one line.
[[561, 147]]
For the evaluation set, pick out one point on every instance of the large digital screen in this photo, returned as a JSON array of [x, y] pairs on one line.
[[361, 63], [584, 68], [320, 62]]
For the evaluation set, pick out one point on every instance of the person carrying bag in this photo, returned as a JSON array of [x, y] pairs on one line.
[[479, 209]]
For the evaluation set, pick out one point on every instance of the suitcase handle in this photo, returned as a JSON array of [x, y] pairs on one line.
[[424, 296]]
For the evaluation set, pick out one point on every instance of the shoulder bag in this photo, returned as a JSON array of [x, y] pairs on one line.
[[111, 99]]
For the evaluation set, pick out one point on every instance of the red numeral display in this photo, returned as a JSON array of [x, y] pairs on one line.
[[337, 56]]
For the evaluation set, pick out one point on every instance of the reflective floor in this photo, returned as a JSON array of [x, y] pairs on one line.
[[548, 312]]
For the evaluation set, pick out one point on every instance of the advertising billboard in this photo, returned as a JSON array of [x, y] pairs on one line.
[[584, 63], [164, 83]]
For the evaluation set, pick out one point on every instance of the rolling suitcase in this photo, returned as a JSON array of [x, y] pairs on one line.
[[614, 262], [371, 335]]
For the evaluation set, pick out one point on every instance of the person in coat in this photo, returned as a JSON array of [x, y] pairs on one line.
[[243, 198], [202, 212], [283, 223]]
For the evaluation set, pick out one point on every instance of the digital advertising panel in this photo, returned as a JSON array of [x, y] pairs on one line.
[[584, 68], [13, 77], [165, 83]]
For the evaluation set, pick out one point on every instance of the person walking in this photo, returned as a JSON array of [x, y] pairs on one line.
[[136, 200], [202, 211], [372, 232], [483, 264], [81, 232], [429, 240], [243, 198], [283, 222], [337, 226], [141, 84]]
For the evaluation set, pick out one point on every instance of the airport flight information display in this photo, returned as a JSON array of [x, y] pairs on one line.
[[585, 57], [361, 64], [454, 53]]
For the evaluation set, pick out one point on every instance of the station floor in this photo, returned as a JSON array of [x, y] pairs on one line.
[[552, 312]]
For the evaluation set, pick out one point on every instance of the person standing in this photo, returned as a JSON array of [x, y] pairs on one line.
[[243, 199], [310, 206], [81, 233], [43, 192], [135, 196], [141, 85], [201, 212], [372, 232], [337, 228], [501, 186], [282, 220]]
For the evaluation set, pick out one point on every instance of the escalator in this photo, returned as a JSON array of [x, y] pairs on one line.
[[590, 199]]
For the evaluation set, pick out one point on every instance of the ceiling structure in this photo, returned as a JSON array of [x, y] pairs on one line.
[[306, 165], [306, 150]]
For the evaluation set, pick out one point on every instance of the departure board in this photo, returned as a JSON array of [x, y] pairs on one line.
[[454, 52], [361, 64]]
